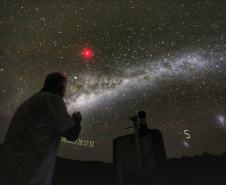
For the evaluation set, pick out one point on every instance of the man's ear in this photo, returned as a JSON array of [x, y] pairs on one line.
[[61, 90]]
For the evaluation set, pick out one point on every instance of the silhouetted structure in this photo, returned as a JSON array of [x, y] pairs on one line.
[[197, 170], [136, 157]]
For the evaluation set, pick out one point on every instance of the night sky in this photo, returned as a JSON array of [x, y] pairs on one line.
[[167, 58]]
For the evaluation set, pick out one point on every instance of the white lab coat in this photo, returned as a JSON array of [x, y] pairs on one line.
[[33, 138]]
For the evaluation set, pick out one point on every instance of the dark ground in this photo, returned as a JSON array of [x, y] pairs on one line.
[[206, 169], [198, 170]]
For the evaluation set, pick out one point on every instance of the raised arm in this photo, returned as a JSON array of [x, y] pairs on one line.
[[72, 133]]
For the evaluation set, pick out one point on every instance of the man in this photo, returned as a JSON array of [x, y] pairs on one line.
[[34, 134]]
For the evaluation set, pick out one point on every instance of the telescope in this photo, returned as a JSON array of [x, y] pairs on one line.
[[137, 154]]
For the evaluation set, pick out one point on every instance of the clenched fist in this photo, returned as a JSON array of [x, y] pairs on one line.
[[77, 117]]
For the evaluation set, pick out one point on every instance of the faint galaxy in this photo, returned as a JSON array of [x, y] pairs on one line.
[[221, 120], [186, 144], [167, 58]]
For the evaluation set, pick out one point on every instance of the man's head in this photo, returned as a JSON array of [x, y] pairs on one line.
[[55, 83]]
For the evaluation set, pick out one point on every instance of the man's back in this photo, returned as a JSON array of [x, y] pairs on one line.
[[33, 138]]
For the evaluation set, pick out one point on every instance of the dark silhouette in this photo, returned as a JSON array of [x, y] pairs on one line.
[[139, 156], [197, 170], [31, 143], [206, 169], [140, 159]]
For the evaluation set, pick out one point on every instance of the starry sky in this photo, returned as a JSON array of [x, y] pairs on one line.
[[165, 57]]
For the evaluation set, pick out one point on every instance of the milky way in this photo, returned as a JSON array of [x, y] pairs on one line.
[[167, 58], [113, 85]]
